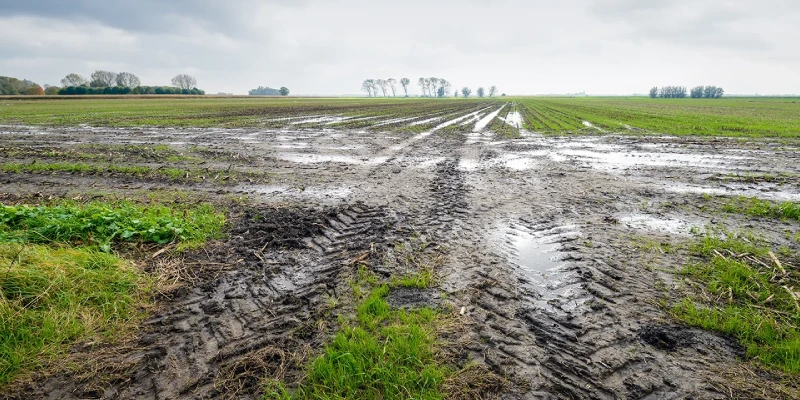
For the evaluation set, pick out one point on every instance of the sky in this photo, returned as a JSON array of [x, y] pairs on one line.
[[328, 47]]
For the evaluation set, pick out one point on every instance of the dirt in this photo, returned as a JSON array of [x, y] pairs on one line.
[[538, 238]]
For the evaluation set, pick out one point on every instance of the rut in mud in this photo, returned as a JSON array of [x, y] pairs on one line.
[[555, 297]]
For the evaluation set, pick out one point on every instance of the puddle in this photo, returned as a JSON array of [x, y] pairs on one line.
[[514, 118], [317, 192], [538, 255], [766, 191], [652, 223], [481, 125], [302, 158]]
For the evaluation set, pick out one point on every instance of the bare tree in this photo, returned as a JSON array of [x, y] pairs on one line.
[[375, 86], [128, 79], [654, 92], [103, 79], [73, 80], [383, 85], [480, 92], [367, 86], [405, 82], [423, 84], [466, 91], [444, 87], [433, 88], [492, 91], [184, 81], [455, 93], [392, 82]]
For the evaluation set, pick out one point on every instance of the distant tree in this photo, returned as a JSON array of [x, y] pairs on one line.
[[672, 92], [434, 86], [127, 79], [367, 86], [383, 85], [654, 92], [446, 85], [34, 90], [455, 93], [102, 78], [184, 81], [503, 95], [423, 85], [696, 92], [712, 92], [465, 91], [392, 82], [284, 91], [73, 80], [264, 91], [405, 82], [492, 91], [51, 90], [480, 92]]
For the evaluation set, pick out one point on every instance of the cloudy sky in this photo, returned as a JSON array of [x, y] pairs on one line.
[[328, 47]]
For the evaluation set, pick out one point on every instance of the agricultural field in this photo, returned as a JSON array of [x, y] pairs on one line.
[[305, 248]]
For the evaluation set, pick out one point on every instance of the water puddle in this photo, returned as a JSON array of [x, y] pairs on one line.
[[514, 118], [649, 222], [765, 191], [481, 125], [537, 253], [316, 192], [302, 158]]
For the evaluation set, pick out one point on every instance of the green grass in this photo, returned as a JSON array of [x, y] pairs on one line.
[[60, 282], [762, 208], [747, 117], [101, 223], [170, 173], [747, 296], [52, 296], [380, 353]]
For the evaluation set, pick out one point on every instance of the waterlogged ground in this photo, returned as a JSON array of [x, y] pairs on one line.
[[547, 246]]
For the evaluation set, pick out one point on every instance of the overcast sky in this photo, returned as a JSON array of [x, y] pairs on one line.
[[328, 47]]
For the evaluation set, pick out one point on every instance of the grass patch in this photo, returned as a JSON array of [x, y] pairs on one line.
[[381, 353], [762, 208], [169, 173], [746, 293], [101, 223], [59, 281], [52, 296]]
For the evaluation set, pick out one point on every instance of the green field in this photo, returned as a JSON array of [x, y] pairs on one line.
[[749, 117]]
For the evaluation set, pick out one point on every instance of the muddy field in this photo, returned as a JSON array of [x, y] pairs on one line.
[[539, 238]]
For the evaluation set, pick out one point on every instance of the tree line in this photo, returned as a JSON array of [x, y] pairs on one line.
[[268, 91], [679, 92], [100, 82], [430, 87]]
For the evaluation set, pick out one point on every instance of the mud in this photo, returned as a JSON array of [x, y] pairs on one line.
[[538, 239]]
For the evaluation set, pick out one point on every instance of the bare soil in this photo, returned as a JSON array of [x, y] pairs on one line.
[[540, 238]]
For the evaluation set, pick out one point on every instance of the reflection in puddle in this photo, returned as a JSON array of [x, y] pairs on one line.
[[538, 255]]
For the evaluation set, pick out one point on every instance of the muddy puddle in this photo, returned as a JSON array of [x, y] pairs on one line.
[[663, 224], [538, 254]]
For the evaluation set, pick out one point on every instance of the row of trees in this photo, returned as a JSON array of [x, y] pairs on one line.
[[481, 92], [430, 87], [268, 91], [88, 90], [679, 92], [104, 79], [708, 92]]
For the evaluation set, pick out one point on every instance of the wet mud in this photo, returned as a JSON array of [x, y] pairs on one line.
[[536, 237]]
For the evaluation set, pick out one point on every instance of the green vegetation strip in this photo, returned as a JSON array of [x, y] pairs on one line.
[[60, 283], [382, 353], [748, 294], [762, 208], [137, 170]]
